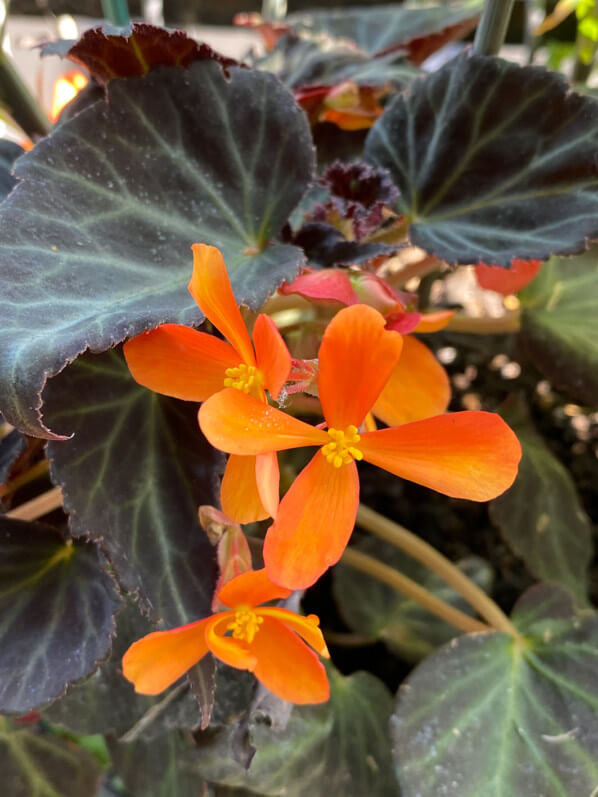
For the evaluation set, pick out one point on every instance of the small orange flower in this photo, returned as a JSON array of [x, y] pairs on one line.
[[470, 455], [182, 362], [507, 280], [266, 640]]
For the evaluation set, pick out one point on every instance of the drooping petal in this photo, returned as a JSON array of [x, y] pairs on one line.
[[251, 589], [306, 627], [507, 280], [210, 287], [357, 356], [273, 358], [159, 659], [286, 666], [471, 455], [329, 284], [403, 322], [433, 322], [229, 650], [239, 494], [418, 387], [179, 361], [268, 481], [313, 525], [239, 424]]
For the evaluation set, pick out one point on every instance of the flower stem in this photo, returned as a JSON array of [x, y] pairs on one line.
[[418, 549], [406, 586], [21, 104], [37, 507], [39, 469], [510, 322], [116, 12], [492, 28]]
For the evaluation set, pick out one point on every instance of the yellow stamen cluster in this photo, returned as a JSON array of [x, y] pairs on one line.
[[245, 625], [246, 378], [342, 450]]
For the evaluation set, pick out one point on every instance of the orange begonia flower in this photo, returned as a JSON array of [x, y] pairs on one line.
[[264, 639], [182, 362], [470, 455]]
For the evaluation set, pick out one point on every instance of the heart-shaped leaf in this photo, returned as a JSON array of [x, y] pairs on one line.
[[486, 715], [541, 516], [494, 161], [339, 747], [57, 605], [36, 765], [374, 609], [133, 475], [559, 324], [377, 29], [120, 192]]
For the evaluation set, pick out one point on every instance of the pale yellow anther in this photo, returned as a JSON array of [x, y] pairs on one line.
[[245, 378], [342, 449], [245, 625]]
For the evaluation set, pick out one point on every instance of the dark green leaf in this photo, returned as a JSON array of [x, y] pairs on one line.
[[57, 607], [96, 237], [12, 446], [35, 765], [133, 475], [323, 61], [164, 767], [338, 748], [372, 608], [541, 516], [559, 324], [484, 716], [107, 703], [493, 160], [377, 29], [326, 246], [9, 152]]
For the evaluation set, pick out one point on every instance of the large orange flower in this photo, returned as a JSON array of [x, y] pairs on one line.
[[470, 455], [264, 639], [182, 362]]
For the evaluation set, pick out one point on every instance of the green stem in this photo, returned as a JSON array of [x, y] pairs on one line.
[[510, 322], [21, 104], [406, 586], [418, 549], [492, 28], [116, 12]]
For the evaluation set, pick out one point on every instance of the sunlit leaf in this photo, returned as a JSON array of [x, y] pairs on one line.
[[484, 716], [36, 765], [559, 324], [493, 160], [96, 237], [377, 29], [133, 475], [541, 516], [57, 606]]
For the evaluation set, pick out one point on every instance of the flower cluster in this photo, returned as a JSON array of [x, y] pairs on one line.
[[365, 368]]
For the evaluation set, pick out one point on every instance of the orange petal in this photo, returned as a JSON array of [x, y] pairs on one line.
[[433, 322], [159, 659], [239, 493], [313, 525], [286, 666], [211, 289], [251, 589], [357, 356], [268, 481], [470, 455], [306, 627], [507, 280], [239, 424], [227, 649], [273, 358], [179, 361], [418, 387]]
